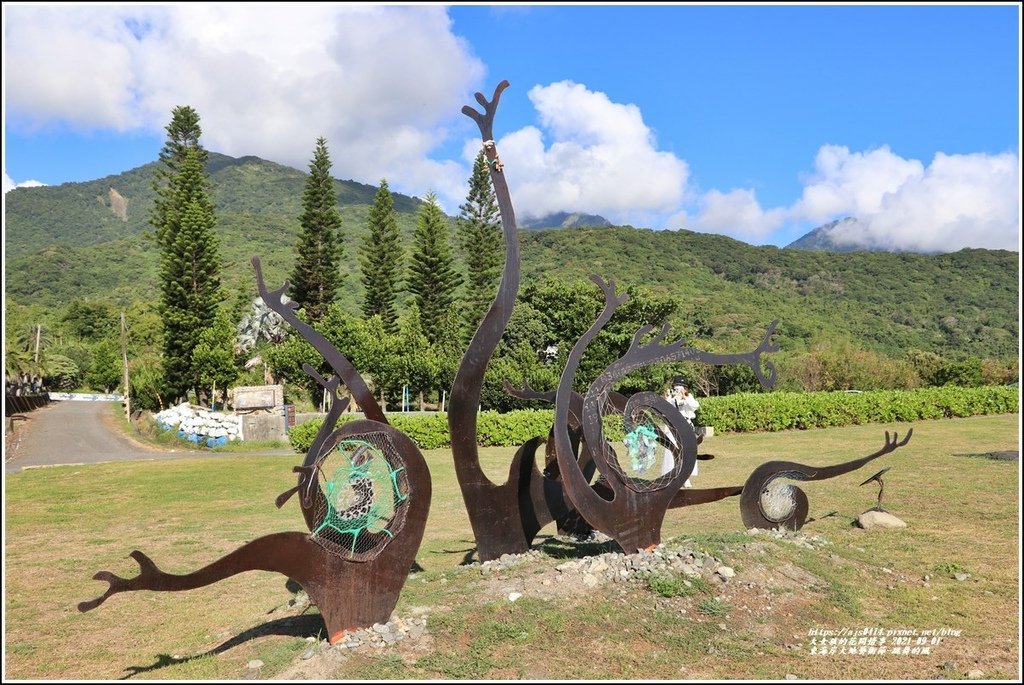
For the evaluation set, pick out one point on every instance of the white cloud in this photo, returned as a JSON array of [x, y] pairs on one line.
[[10, 184], [737, 214], [852, 183], [957, 201], [602, 159], [380, 83], [384, 84]]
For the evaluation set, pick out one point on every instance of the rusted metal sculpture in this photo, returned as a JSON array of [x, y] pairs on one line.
[[505, 518], [634, 514], [881, 487], [364, 491], [765, 504]]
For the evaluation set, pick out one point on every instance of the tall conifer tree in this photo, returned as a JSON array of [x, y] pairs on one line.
[[184, 219], [481, 240], [432, 276], [316, 276], [380, 259]]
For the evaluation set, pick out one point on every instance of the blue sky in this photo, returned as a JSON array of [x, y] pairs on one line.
[[759, 122]]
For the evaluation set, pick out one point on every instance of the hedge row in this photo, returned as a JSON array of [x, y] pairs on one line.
[[741, 412]]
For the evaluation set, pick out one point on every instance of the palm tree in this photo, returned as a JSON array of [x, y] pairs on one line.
[[25, 359]]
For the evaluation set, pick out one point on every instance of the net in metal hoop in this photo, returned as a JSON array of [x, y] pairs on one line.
[[365, 496], [640, 447]]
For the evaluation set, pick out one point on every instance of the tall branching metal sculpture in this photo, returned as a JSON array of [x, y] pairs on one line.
[[364, 490], [504, 517]]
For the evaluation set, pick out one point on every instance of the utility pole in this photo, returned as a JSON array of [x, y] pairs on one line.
[[37, 372], [124, 362]]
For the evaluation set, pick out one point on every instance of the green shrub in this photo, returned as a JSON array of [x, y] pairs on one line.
[[742, 412]]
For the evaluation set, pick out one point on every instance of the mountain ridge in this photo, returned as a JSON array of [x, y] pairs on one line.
[[66, 242]]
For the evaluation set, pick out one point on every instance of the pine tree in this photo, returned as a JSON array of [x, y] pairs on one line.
[[316, 276], [183, 218], [182, 134], [380, 258], [480, 238], [189, 273], [432, 277]]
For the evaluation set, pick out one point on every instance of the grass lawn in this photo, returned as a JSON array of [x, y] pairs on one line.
[[64, 524]]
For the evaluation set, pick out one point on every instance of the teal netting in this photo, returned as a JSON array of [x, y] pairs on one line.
[[364, 499]]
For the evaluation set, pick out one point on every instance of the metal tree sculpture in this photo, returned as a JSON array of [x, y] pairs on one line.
[[505, 518], [634, 513], [364, 491], [765, 504]]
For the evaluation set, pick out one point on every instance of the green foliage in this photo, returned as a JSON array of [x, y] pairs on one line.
[[65, 243], [146, 376], [319, 249], [714, 607], [432, 277], [744, 412], [62, 373], [839, 365], [788, 410], [967, 372], [678, 586], [106, 371], [214, 358], [964, 301], [480, 238], [88, 320], [189, 263], [949, 569], [380, 260]]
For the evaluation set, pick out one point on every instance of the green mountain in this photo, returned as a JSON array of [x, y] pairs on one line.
[[822, 238], [963, 303], [91, 240], [565, 220]]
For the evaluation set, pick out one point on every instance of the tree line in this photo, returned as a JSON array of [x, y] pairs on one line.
[[196, 342]]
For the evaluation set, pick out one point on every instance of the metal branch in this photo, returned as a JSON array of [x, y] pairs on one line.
[[337, 361], [485, 120]]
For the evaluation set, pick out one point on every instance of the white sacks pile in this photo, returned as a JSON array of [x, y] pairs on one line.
[[201, 426]]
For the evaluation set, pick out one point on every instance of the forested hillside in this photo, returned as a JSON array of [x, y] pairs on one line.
[[91, 242]]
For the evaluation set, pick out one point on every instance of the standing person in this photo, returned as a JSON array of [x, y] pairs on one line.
[[679, 396]]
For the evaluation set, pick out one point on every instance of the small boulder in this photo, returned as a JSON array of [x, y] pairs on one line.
[[879, 519]]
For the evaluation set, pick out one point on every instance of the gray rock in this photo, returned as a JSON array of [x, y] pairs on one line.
[[879, 519]]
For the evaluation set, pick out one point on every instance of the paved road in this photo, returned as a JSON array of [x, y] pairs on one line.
[[69, 432]]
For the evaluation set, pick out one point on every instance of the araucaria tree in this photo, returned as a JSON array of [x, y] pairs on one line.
[[380, 260], [183, 218], [481, 241], [317, 276], [432, 276]]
